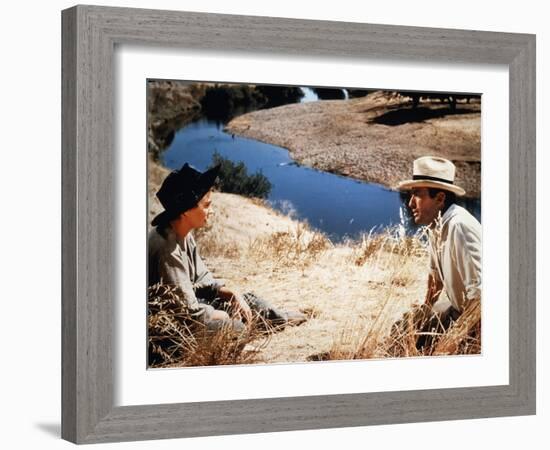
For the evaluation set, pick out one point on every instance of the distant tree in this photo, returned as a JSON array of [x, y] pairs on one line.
[[234, 178], [450, 98], [329, 93], [222, 102], [354, 93], [279, 95]]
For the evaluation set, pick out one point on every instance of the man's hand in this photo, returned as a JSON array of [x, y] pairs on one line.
[[435, 286]]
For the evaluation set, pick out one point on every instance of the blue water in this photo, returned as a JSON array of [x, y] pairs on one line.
[[339, 206]]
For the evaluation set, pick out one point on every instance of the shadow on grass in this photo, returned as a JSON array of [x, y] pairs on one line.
[[407, 115]]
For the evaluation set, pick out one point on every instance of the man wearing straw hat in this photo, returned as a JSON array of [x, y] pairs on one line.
[[454, 237]]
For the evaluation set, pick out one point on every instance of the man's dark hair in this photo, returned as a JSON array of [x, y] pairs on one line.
[[450, 197]]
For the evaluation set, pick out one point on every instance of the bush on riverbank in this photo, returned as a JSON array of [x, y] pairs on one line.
[[234, 179]]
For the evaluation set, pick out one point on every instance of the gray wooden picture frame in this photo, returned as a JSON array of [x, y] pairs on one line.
[[90, 35]]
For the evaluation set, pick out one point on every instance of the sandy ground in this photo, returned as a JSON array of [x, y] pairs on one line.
[[253, 248], [372, 138]]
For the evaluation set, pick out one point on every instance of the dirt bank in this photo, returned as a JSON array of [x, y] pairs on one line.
[[374, 138]]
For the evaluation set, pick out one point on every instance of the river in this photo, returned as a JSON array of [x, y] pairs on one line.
[[340, 207]]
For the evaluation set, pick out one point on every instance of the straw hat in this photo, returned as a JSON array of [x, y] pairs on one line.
[[432, 172]]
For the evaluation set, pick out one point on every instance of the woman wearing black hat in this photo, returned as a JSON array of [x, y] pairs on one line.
[[174, 258]]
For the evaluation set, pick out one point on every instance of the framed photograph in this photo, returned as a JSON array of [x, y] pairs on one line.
[[246, 199], [313, 237]]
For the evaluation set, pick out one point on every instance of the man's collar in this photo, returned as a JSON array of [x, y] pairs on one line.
[[451, 211]]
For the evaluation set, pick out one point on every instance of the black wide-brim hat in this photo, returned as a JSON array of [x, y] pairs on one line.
[[182, 190]]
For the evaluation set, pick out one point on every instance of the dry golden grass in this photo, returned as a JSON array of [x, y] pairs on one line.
[[394, 257], [341, 287], [460, 338], [176, 339], [298, 246], [393, 251], [464, 336], [352, 292]]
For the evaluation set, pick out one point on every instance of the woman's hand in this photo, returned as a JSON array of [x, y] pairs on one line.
[[241, 308], [238, 305]]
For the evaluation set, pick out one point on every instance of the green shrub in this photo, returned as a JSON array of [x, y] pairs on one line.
[[234, 178]]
